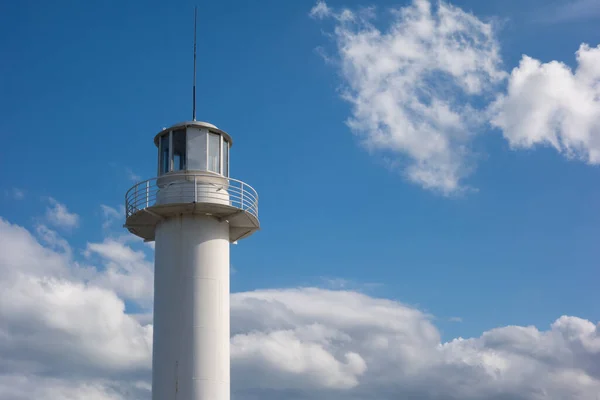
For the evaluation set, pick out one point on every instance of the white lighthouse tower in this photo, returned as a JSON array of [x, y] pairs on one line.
[[192, 210]]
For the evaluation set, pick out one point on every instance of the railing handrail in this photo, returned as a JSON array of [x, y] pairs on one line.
[[239, 194], [192, 174]]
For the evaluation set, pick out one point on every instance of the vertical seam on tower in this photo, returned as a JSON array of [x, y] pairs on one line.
[[179, 303]]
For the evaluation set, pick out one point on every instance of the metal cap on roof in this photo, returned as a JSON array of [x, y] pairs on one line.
[[199, 124]]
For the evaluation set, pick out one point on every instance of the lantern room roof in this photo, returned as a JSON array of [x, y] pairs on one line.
[[198, 124]]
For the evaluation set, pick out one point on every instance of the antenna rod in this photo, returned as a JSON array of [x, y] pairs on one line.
[[194, 89]]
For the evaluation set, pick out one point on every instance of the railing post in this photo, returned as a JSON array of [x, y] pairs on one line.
[[242, 197], [147, 193], [195, 188], [135, 198]]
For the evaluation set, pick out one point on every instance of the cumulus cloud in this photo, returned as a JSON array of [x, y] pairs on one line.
[[61, 336], [58, 215], [65, 332], [317, 344], [549, 104], [418, 88]]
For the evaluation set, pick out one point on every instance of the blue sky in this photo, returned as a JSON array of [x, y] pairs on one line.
[[86, 86]]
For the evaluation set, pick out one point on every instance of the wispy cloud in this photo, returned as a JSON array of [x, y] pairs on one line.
[[320, 10], [53, 240], [58, 215], [568, 11], [125, 171], [15, 193], [348, 284], [416, 87], [110, 215], [132, 175]]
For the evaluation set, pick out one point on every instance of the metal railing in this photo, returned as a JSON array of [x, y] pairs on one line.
[[190, 187]]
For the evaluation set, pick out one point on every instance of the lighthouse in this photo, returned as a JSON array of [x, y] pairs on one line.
[[192, 210]]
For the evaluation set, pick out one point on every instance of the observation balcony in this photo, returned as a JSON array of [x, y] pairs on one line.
[[200, 193]]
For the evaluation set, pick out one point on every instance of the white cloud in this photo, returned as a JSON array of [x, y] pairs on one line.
[[418, 88], [549, 104], [60, 316], [58, 215], [21, 253], [125, 271], [284, 357], [61, 337], [338, 345], [65, 333]]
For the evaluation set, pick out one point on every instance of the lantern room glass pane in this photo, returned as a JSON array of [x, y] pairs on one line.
[[214, 150], [225, 157], [179, 144], [196, 149], [164, 154]]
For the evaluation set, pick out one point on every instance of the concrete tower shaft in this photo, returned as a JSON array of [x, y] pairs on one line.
[[191, 309]]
